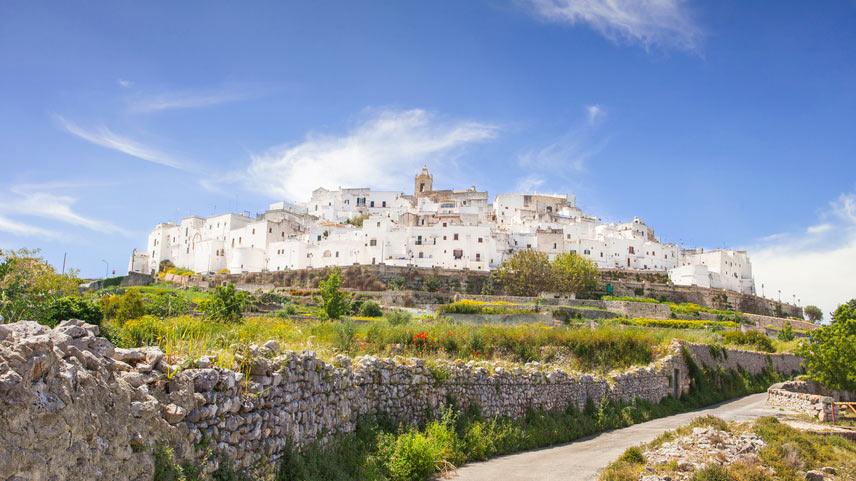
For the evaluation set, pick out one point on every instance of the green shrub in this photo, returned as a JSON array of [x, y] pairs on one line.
[[129, 306], [346, 331], [713, 473], [371, 309], [397, 283], [397, 317], [633, 455], [287, 311], [431, 284], [412, 457], [227, 304], [786, 333], [752, 339], [71, 307], [168, 304]]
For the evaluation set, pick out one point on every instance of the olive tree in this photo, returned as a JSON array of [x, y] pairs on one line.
[[573, 273], [526, 273]]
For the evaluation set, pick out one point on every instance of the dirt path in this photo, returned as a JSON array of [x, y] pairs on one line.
[[583, 459]]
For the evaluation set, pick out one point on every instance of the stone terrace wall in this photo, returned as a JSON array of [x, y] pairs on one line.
[[67, 388], [639, 309]]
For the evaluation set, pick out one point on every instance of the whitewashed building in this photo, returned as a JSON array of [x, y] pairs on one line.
[[455, 229]]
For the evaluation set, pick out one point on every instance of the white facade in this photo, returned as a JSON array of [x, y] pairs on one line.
[[455, 229]]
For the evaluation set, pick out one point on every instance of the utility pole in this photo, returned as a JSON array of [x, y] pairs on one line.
[[106, 267], [64, 255]]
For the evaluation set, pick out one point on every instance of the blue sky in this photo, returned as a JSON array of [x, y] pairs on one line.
[[722, 124]]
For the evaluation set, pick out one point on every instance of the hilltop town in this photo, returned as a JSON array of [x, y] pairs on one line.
[[452, 229]]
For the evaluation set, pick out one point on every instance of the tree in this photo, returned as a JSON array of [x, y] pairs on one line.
[[845, 311], [573, 273], [813, 313], [829, 355], [334, 302], [227, 304], [526, 273], [28, 282]]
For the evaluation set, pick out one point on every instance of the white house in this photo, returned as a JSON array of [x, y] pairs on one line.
[[455, 229]]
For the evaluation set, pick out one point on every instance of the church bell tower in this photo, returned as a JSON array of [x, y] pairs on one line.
[[424, 182]]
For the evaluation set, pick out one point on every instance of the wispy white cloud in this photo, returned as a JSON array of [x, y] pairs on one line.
[[662, 23], [192, 99], [595, 113], [383, 151], [104, 137], [529, 183], [53, 206], [819, 228], [571, 150], [20, 229], [124, 83], [815, 265], [844, 207]]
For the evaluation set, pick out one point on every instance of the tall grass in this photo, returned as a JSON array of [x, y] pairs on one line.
[[598, 349]]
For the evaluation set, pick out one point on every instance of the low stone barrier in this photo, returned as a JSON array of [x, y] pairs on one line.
[[808, 397], [72, 406]]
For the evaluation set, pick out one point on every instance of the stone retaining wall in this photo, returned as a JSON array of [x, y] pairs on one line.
[[808, 397], [74, 407]]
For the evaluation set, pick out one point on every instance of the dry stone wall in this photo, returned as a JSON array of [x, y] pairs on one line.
[[68, 388], [808, 397]]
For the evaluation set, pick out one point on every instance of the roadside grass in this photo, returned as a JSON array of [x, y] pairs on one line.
[[788, 454]]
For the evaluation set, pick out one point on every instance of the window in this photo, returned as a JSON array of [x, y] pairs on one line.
[[444, 224], [478, 256], [378, 224], [383, 204], [554, 245], [586, 252], [282, 234], [233, 242], [371, 204], [601, 254], [319, 237], [631, 250], [373, 242], [270, 230], [420, 255], [528, 246], [481, 240], [569, 236], [419, 240], [458, 253], [185, 232], [254, 231], [240, 240], [337, 253], [549, 208], [455, 237], [444, 237], [447, 205]]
